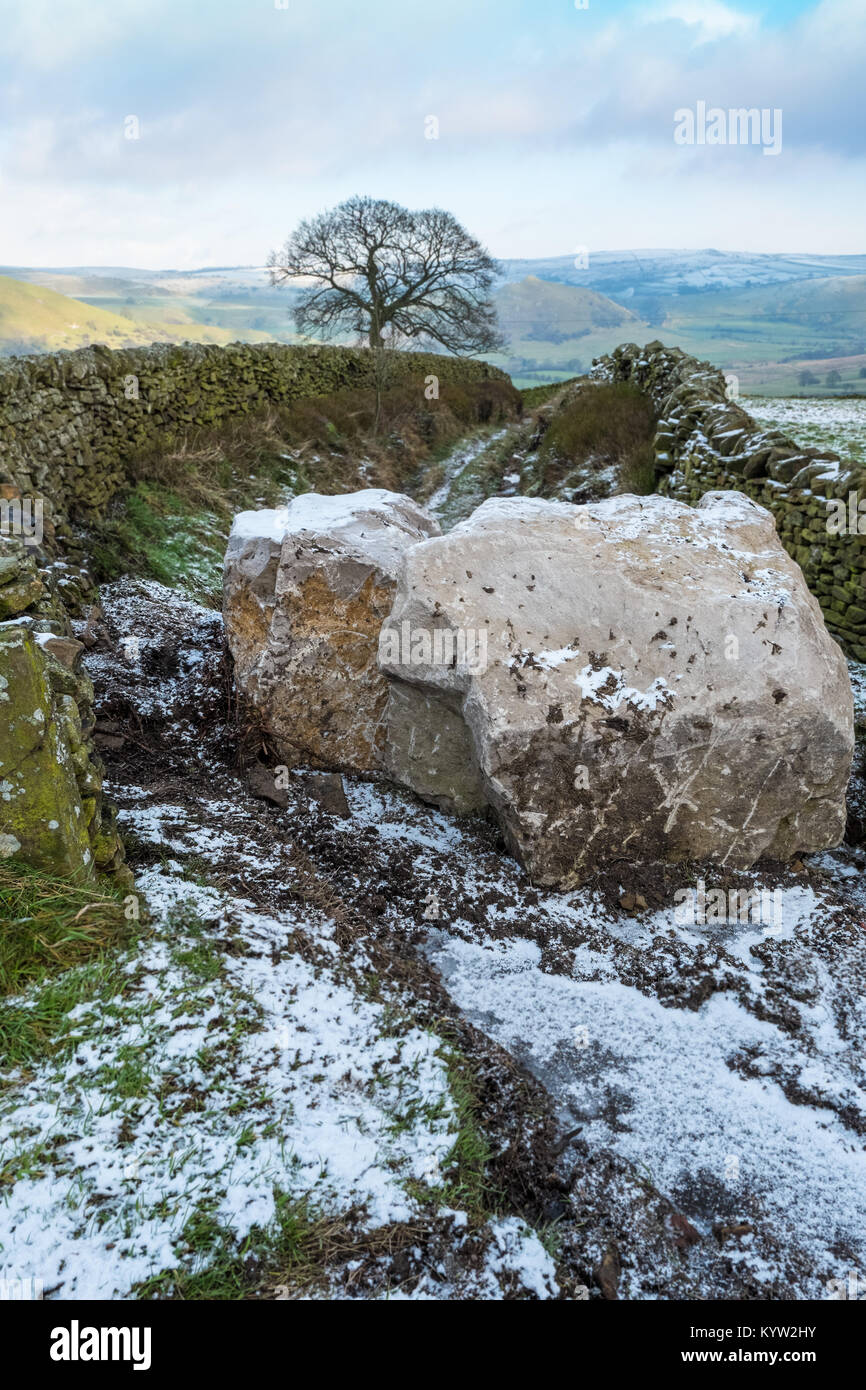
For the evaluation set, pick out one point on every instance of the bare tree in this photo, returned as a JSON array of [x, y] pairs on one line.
[[382, 271]]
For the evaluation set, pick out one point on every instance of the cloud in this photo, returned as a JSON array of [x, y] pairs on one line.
[[252, 116], [710, 19]]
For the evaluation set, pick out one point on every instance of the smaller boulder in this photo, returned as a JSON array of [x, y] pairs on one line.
[[307, 588]]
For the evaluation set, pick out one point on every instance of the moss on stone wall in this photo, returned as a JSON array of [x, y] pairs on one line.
[[707, 441]]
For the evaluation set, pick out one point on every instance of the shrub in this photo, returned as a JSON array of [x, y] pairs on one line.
[[607, 423]]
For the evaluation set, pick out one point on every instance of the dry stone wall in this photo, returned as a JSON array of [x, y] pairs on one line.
[[705, 441], [52, 811], [69, 421]]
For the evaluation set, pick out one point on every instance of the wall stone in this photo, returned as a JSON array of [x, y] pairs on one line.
[[52, 812], [705, 441]]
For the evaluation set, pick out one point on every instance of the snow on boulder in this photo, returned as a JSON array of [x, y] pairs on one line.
[[306, 589], [632, 679]]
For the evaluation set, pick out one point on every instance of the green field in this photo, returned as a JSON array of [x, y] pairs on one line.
[[71, 310]]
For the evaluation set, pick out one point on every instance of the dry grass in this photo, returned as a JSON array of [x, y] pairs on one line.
[[296, 1253], [171, 525], [318, 443], [61, 942], [609, 423]]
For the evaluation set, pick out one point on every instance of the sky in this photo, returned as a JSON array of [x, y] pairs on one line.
[[187, 133]]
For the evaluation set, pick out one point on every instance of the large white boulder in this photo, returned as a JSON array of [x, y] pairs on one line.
[[306, 589], [633, 679]]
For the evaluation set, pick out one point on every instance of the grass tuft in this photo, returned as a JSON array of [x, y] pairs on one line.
[[59, 939], [51, 924], [291, 1253], [606, 423]]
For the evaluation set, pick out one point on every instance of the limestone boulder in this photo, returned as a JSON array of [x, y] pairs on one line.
[[307, 587], [634, 679]]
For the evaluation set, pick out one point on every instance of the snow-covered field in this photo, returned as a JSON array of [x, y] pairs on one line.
[[231, 1070], [839, 425]]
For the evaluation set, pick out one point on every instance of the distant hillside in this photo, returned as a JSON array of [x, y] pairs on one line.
[[542, 311], [825, 300], [34, 318], [623, 274]]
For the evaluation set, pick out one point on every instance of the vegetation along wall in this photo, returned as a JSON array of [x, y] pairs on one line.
[[706, 440]]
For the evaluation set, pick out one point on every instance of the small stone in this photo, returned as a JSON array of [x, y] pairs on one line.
[[684, 1232], [19, 595], [111, 741], [327, 789], [740, 1228], [262, 783], [66, 649], [608, 1273]]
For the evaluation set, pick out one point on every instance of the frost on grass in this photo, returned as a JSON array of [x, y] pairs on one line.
[[227, 1071], [838, 425], [459, 493], [726, 1111]]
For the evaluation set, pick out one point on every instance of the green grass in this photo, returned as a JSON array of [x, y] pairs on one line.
[[466, 1185], [61, 943], [293, 1250], [302, 1242], [534, 396], [52, 924], [128, 1078], [202, 961], [155, 533], [32, 1031]]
